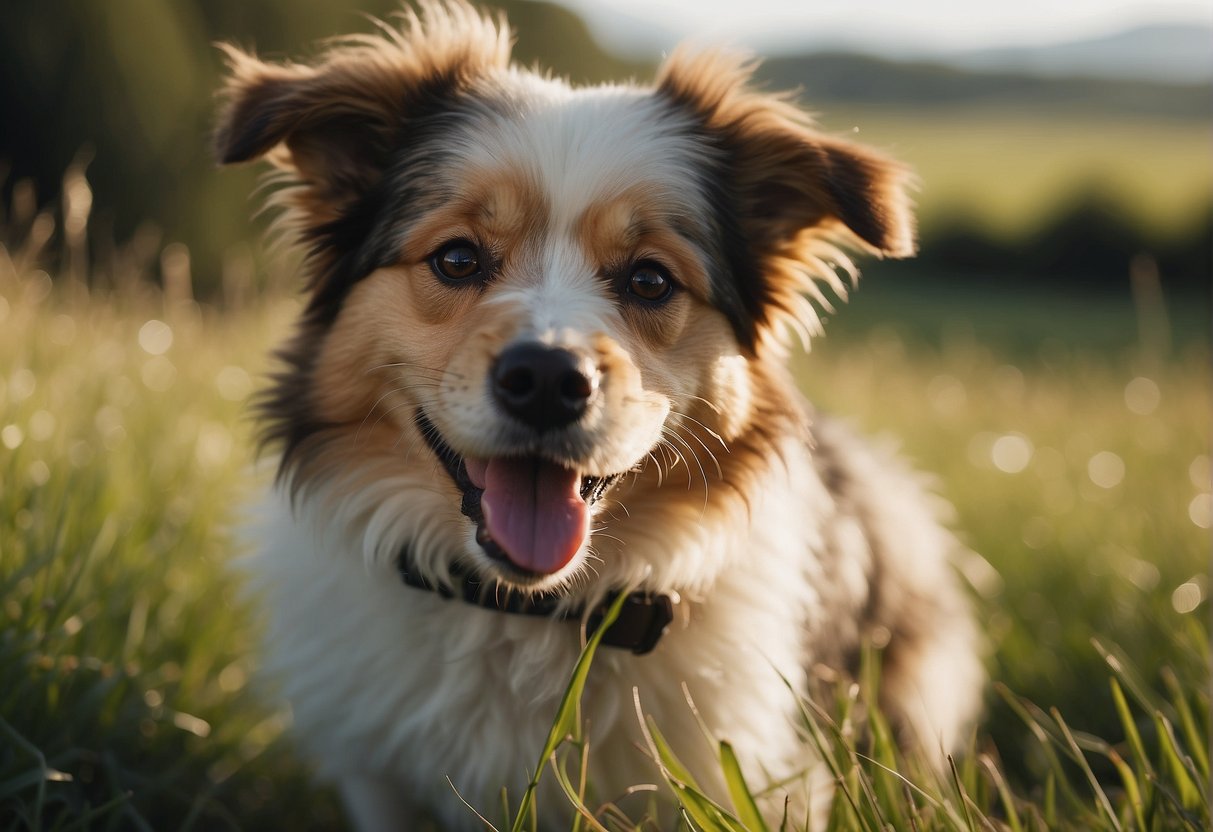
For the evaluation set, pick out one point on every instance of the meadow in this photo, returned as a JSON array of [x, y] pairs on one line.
[[1008, 170], [1078, 466], [1070, 431]]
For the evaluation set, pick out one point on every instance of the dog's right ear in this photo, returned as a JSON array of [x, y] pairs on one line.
[[334, 125]]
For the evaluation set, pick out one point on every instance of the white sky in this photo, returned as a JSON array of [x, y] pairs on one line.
[[898, 26]]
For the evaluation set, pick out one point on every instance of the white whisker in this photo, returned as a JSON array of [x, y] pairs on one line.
[[436, 370], [401, 389], [698, 464]]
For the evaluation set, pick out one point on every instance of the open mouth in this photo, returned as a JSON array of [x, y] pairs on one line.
[[531, 514]]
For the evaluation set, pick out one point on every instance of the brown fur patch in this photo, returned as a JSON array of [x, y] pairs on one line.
[[634, 226], [502, 211]]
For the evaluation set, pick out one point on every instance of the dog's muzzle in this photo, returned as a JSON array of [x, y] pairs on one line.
[[644, 617], [530, 547]]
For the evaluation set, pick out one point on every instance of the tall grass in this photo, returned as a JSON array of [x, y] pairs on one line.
[[126, 654]]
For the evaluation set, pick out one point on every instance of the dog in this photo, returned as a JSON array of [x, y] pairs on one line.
[[540, 367]]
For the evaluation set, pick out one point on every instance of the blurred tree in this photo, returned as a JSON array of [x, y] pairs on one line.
[[129, 85], [1085, 245]]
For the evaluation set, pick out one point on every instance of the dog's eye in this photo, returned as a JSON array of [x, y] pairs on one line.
[[650, 282], [457, 261]]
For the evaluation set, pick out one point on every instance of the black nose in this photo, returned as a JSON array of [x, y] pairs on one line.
[[542, 386]]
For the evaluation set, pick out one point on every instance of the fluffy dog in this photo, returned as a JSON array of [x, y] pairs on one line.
[[539, 365]]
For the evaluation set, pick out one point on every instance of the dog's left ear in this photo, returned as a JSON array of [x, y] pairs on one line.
[[785, 193], [787, 176]]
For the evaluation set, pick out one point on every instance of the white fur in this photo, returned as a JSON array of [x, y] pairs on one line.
[[395, 691]]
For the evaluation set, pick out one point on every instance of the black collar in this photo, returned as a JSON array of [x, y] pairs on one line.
[[641, 623]]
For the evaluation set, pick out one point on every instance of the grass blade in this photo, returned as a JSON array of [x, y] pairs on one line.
[[960, 794], [1131, 733], [565, 722], [1191, 796], [576, 796], [698, 808], [1132, 792], [1101, 796], [1004, 793], [1195, 738], [743, 799], [1058, 779]]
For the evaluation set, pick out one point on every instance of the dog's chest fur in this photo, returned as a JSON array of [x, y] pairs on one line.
[[397, 681], [392, 679]]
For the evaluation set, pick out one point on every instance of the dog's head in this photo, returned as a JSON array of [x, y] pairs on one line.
[[535, 286]]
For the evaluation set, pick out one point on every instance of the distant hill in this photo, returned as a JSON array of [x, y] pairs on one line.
[[848, 78], [1176, 53]]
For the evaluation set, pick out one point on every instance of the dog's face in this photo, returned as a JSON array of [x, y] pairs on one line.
[[538, 287]]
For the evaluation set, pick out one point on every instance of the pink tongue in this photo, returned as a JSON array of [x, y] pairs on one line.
[[533, 510]]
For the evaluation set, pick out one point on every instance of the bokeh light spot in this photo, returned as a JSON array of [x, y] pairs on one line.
[[11, 436], [1011, 453], [1142, 396], [21, 385], [1106, 469], [1200, 510], [232, 678], [39, 473], [1199, 472], [155, 337], [1142, 574], [1187, 597]]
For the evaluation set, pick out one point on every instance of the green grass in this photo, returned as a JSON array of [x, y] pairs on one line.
[[125, 653], [1080, 473], [1010, 171]]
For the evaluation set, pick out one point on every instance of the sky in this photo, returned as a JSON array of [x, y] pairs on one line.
[[900, 27]]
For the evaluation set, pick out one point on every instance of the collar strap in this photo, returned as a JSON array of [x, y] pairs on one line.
[[641, 623]]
